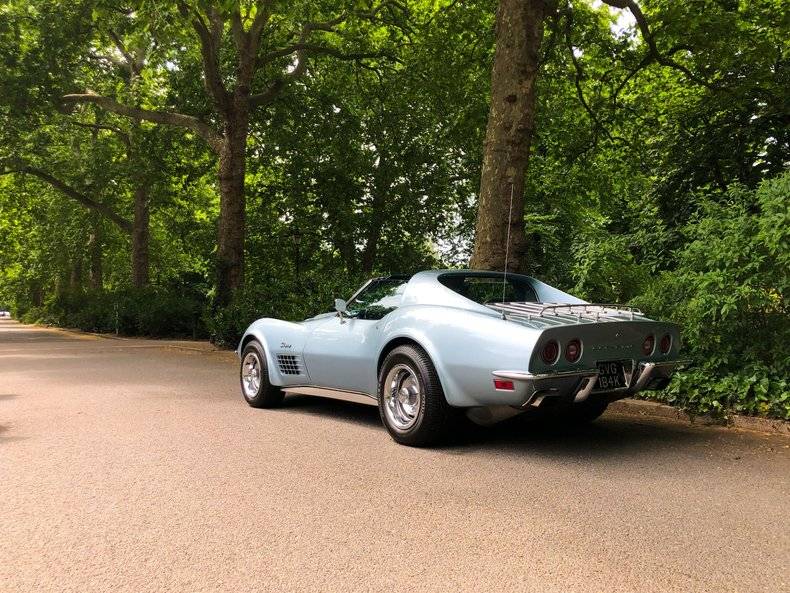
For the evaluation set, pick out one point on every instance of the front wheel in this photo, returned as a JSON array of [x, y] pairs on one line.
[[254, 378], [411, 400]]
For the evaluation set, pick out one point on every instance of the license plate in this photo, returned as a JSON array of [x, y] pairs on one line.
[[610, 376]]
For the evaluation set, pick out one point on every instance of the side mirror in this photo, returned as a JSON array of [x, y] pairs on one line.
[[340, 306]]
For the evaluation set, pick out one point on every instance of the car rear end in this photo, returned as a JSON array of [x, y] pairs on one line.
[[595, 352]]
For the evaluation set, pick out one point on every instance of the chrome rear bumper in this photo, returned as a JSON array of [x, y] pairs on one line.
[[577, 385]]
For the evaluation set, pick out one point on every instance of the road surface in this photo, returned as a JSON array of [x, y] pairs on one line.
[[128, 465]]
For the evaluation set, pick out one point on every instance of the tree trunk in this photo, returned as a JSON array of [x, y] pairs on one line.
[[371, 247], [519, 32], [95, 248], [75, 279], [36, 294], [230, 241], [381, 187], [140, 237]]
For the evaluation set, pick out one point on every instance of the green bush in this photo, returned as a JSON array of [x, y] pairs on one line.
[[149, 311], [291, 299], [728, 293]]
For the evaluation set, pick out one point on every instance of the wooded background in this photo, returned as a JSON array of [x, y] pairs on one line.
[[184, 167]]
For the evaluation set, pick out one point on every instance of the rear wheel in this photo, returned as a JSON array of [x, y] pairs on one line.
[[411, 400], [254, 378]]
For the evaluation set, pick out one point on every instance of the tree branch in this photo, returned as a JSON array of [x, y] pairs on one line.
[[75, 195], [189, 122], [110, 60], [648, 38], [644, 63], [131, 64], [315, 48], [277, 86], [303, 48], [120, 133], [262, 16], [209, 51], [579, 75]]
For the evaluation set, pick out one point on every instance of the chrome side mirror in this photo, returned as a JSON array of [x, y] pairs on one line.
[[340, 307]]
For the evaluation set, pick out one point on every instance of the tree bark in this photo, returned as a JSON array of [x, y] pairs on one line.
[[232, 219], [95, 250], [75, 278], [519, 32], [140, 238], [378, 215], [371, 242]]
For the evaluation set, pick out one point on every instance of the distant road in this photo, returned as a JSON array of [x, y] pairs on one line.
[[130, 466]]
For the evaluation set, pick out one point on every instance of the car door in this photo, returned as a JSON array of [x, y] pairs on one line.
[[341, 351]]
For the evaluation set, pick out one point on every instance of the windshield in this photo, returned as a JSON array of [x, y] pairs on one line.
[[487, 288], [378, 298]]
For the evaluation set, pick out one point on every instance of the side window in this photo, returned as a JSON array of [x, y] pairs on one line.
[[378, 299]]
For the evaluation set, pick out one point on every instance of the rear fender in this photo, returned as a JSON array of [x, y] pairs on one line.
[[465, 348]]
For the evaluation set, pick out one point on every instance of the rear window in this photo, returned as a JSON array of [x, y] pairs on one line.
[[488, 288]]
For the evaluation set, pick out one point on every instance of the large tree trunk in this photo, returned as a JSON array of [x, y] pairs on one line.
[[519, 32], [140, 237], [230, 241]]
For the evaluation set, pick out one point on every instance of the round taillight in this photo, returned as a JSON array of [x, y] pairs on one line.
[[573, 350], [551, 352], [648, 345], [665, 344]]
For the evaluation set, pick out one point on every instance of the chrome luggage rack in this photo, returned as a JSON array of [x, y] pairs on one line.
[[577, 312]]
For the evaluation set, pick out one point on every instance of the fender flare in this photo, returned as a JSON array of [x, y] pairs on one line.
[[421, 341], [256, 333]]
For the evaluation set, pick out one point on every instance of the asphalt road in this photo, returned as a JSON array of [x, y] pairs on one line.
[[126, 465]]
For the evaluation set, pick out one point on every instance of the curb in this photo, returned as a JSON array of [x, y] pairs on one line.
[[189, 345], [636, 407]]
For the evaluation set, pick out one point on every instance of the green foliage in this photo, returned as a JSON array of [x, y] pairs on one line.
[[133, 312], [293, 299], [729, 294]]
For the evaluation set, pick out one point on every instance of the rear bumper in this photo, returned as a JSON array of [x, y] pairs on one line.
[[578, 385]]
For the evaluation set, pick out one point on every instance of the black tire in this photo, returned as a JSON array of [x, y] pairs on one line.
[[587, 411], [434, 415], [265, 395]]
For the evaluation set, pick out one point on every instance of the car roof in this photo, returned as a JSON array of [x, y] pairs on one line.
[[424, 288]]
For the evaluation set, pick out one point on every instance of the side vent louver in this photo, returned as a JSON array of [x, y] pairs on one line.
[[289, 364]]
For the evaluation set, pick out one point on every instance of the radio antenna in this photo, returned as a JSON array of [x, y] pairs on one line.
[[507, 246]]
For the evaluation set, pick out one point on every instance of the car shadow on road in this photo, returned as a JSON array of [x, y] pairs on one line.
[[333, 409], [610, 434]]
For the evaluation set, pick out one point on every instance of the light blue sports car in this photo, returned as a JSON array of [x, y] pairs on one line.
[[442, 343]]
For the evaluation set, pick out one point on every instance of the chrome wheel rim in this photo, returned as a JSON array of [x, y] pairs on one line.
[[402, 397], [251, 374]]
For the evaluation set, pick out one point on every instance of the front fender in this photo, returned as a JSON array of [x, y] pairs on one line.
[[278, 337]]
